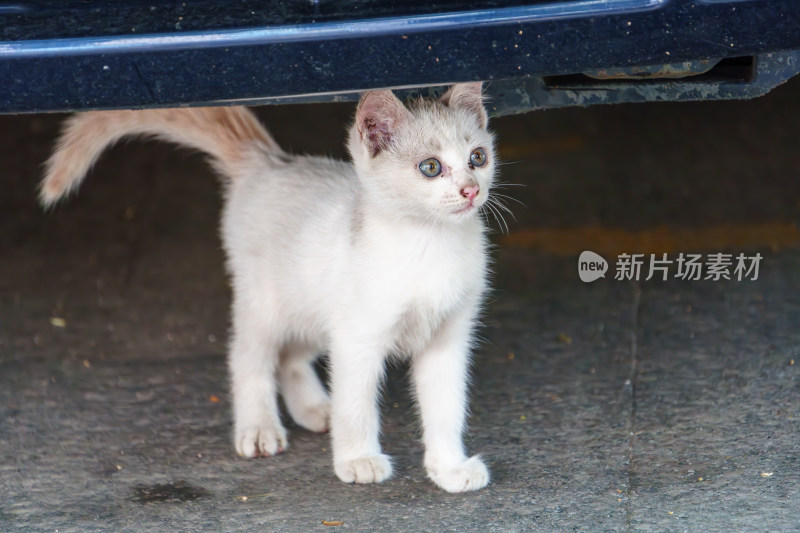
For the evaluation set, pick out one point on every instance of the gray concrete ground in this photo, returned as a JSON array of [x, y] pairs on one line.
[[612, 406]]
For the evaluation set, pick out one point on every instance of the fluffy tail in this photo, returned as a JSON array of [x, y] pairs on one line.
[[227, 134]]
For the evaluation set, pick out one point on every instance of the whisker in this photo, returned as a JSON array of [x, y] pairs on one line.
[[498, 216], [499, 200], [491, 210], [484, 215], [501, 205], [507, 209], [505, 196], [503, 163], [498, 182], [501, 184], [503, 220], [498, 205]]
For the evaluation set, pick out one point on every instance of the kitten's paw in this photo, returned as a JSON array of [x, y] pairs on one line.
[[471, 474], [256, 441], [314, 417], [370, 469]]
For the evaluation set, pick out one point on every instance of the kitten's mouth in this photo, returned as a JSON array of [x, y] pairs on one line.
[[465, 209]]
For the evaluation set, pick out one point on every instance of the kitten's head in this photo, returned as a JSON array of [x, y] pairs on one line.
[[433, 160]]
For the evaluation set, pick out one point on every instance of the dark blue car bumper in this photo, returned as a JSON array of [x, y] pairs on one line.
[[80, 55]]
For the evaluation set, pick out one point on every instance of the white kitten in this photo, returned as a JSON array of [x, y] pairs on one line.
[[384, 256]]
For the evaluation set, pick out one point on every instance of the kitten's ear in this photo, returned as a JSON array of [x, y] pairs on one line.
[[378, 116], [467, 96]]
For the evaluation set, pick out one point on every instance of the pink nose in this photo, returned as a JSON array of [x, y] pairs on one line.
[[470, 192]]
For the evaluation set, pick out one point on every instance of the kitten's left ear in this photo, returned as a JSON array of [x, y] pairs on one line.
[[378, 117], [467, 96]]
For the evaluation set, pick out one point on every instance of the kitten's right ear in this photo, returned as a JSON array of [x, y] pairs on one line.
[[468, 96], [378, 116]]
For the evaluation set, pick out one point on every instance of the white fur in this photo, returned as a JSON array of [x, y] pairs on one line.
[[361, 261]]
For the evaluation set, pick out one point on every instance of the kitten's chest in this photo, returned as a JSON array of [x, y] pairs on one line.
[[433, 268], [419, 281]]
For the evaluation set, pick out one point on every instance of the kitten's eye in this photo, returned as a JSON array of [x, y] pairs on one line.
[[430, 167], [478, 157]]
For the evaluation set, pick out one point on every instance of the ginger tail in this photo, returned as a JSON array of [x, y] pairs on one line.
[[227, 134]]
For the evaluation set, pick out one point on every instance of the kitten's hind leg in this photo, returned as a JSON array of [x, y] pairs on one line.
[[253, 360], [305, 396]]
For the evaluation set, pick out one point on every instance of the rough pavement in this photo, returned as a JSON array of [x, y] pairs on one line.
[[611, 406]]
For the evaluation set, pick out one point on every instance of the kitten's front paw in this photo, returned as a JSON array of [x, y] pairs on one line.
[[370, 469], [471, 474], [257, 441]]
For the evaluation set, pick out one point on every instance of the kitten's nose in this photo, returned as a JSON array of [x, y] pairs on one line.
[[470, 192]]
